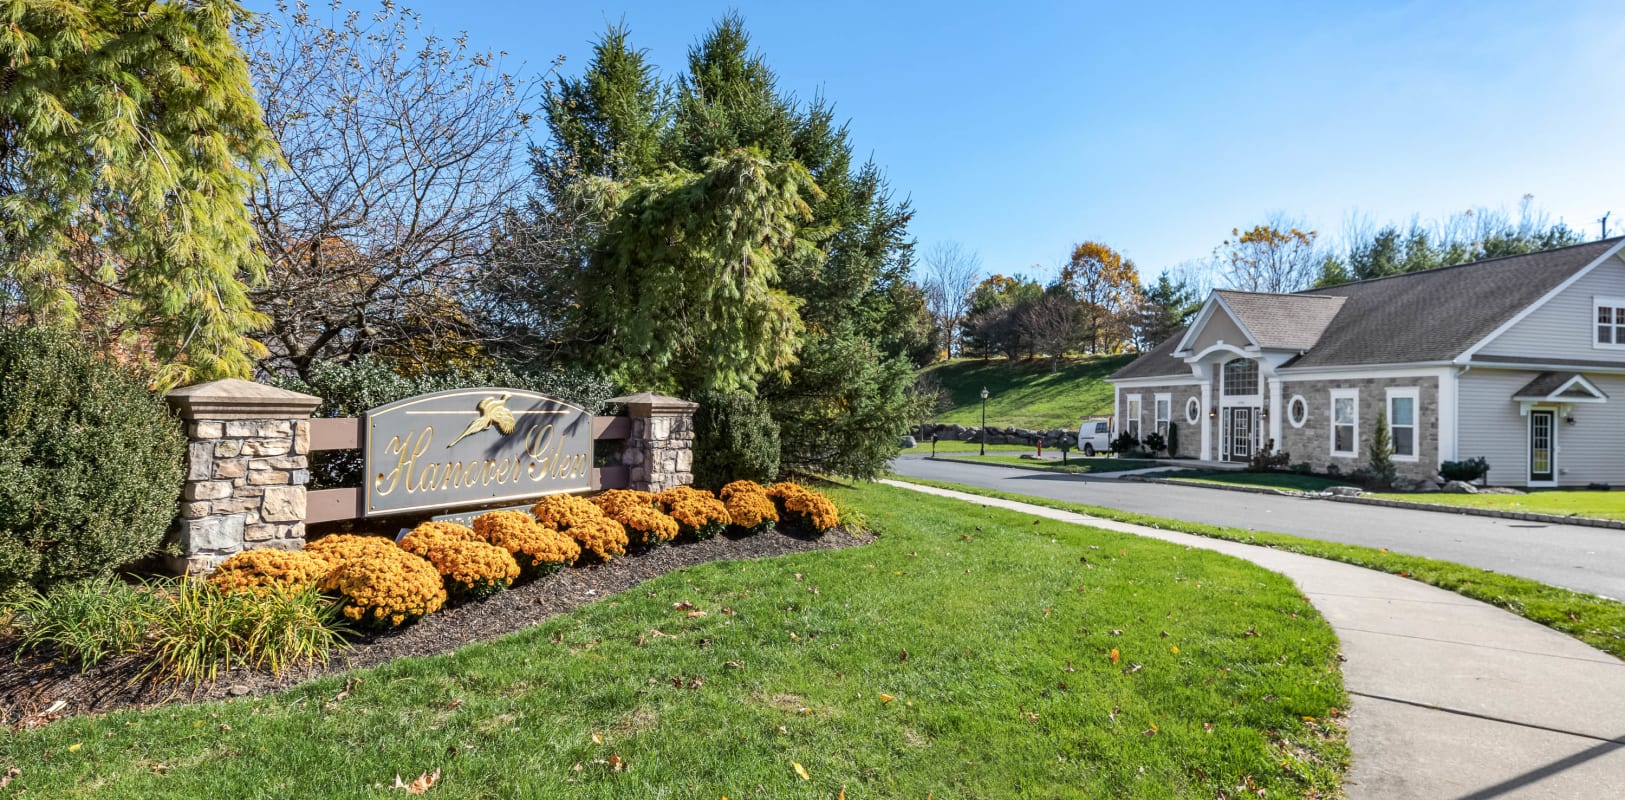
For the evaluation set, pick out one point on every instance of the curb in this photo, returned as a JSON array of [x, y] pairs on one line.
[[952, 460], [1522, 516]]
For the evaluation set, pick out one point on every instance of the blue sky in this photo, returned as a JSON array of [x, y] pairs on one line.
[[1020, 131]]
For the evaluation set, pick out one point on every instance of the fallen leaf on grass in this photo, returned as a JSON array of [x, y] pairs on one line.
[[12, 773], [1068, 667], [74, 748], [695, 614], [420, 784], [886, 698], [1115, 655], [800, 770], [1174, 649], [596, 739], [734, 664], [454, 705], [682, 606], [903, 658]]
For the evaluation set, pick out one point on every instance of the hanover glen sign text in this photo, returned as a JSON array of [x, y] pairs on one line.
[[474, 446]]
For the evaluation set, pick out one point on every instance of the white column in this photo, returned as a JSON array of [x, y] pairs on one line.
[[1207, 421], [1275, 412]]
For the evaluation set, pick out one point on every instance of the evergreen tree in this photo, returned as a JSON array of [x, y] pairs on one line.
[[129, 139]]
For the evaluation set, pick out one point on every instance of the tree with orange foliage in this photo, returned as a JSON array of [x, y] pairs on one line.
[[1107, 287], [1274, 257]]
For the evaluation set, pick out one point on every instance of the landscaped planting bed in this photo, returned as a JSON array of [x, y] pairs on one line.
[[44, 683], [965, 652]]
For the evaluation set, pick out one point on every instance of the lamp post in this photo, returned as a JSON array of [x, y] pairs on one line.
[[984, 420]]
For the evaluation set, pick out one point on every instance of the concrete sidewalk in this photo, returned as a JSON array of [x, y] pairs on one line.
[[1451, 698]]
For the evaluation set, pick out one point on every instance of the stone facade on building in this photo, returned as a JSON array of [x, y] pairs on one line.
[[1312, 443], [1189, 436]]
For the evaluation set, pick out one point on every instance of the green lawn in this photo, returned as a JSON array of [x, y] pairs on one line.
[[1562, 502], [950, 447], [990, 632], [1077, 464], [1597, 621], [1269, 480], [1028, 394]]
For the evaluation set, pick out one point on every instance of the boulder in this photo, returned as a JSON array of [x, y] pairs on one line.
[[1500, 490], [1459, 487], [1344, 491]]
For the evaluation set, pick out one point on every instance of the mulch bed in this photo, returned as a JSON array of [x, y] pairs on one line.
[[32, 686]]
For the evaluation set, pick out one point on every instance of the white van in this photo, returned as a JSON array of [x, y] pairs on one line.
[[1095, 435]]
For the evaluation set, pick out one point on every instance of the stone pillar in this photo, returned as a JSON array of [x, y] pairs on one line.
[[247, 466], [659, 451]]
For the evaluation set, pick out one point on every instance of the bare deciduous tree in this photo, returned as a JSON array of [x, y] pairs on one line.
[[949, 272], [1277, 256], [1054, 324], [402, 153]]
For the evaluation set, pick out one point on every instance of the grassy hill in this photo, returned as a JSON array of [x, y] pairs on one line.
[[1026, 394]]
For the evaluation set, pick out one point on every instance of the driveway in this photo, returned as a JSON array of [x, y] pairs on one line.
[[1577, 557]]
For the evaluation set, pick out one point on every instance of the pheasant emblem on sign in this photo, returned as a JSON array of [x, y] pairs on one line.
[[493, 411]]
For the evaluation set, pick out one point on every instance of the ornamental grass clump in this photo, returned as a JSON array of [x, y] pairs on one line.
[[601, 539], [804, 508], [259, 571], [561, 511], [419, 540], [472, 570], [86, 621], [750, 509], [699, 514], [198, 630], [539, 550], [387, 589]]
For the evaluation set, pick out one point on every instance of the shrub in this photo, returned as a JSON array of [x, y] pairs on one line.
[[646, 526], [749, 507], [87, 621], [197, 630], [1125, 443], [735, 438], [428, 534], [537, 549], [342, 548], [1302, 468], [560, 511], [349, 389], [387, 588], [91, 463], [1154, 442], [473, 570], [1381, 454], [804, 508], [1268, 459], [1173, 439], [698, 513], [601, 538], [1469, 470], [617, 501], [259, 571]]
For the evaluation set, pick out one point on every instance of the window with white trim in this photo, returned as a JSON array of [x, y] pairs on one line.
[[1131, 418], [1403, 406], [1193, 411], [1297, 411], [1609, 313], [1240, 377], [1345, 422], [1162, 411]]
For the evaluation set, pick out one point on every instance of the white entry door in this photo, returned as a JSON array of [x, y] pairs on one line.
[[1240, 435]]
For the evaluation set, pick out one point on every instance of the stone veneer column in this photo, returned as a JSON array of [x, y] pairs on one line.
[[659, 452], [247, 466]]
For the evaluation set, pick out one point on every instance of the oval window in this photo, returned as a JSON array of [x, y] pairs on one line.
[[1193, 411], [1297, 411]]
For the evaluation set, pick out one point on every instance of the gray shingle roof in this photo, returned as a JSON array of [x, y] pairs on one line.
[[1437, 314], [1419, 316], [1158, 363], [1286, 322]]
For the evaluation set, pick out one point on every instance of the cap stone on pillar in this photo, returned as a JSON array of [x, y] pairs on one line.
[[649, 404], [233, 398]]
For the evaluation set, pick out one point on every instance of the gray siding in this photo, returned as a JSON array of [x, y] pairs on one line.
[[1219, 328], [1564, 327], [1592, 450]]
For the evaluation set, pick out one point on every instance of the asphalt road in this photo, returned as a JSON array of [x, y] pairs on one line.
[[1573, 556]]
